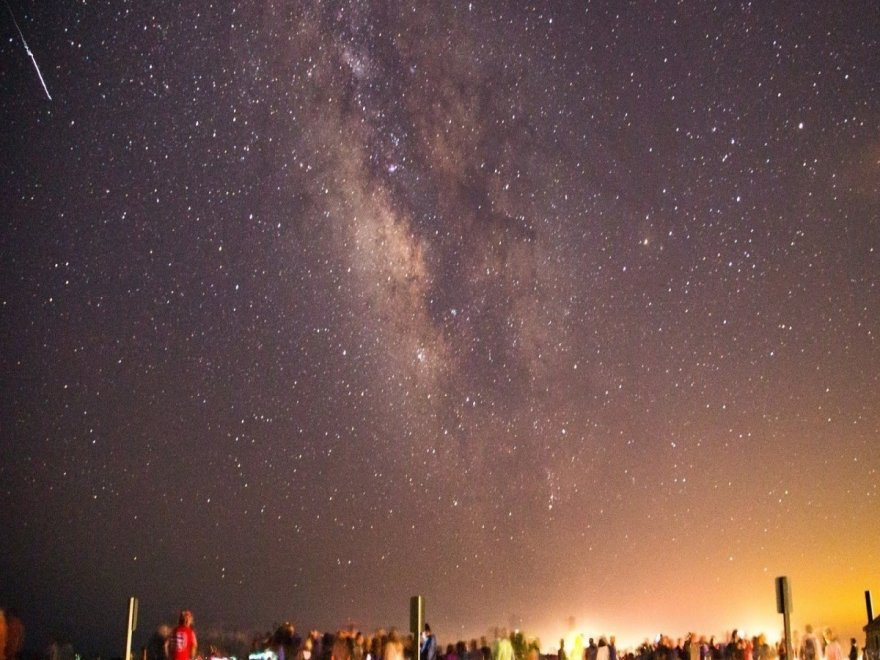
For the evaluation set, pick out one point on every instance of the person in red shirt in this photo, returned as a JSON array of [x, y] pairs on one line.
[[182, 643]]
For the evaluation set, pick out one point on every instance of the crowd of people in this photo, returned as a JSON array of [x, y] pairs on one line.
[[733, 647], [285, 643], [351, 644]]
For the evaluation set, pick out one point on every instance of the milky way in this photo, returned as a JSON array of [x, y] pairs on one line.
[[539, 311]]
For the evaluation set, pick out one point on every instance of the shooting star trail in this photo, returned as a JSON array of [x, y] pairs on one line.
[[28, 51]]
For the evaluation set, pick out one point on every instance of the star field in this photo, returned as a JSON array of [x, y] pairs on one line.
[[536, 310]]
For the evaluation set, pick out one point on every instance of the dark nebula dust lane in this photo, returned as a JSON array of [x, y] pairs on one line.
[[539, 311]]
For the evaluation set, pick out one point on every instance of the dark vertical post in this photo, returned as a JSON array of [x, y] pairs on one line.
[[783, 606], [870, 607]]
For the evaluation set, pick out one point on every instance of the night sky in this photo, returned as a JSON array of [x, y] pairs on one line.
[[538, 310]]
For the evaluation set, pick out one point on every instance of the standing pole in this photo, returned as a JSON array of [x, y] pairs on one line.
[[132, 625], [786, 622], [783, 606], [416, 618]]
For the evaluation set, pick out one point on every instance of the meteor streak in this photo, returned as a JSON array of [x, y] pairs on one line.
[[30, 54]]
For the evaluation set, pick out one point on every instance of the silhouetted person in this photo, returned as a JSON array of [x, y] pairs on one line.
[[14, 634], [343, 648], [810, 649], [832, 649], [485, 649], [156, 644], [428, 645], [3, 634], [182, 643], [394, 646]]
